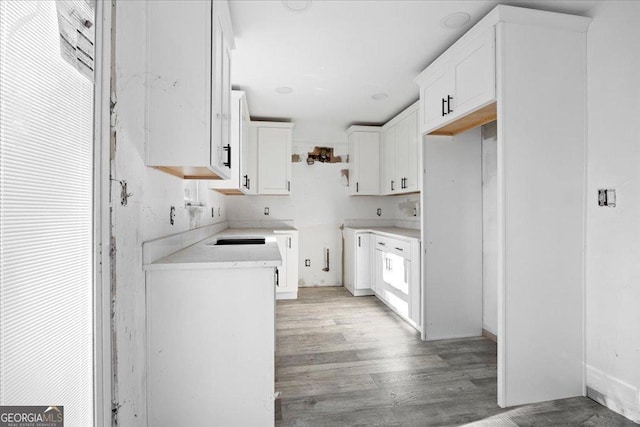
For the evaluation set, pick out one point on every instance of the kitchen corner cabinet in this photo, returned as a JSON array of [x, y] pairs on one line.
[[459, 82], [357, 262], [271, 146], [239, 181], [396, 276], [188, 88], [401, 154], [364, 160], [287, 273]]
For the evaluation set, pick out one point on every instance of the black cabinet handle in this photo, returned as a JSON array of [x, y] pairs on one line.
[[227, 148], [277, 277], [449, 99], [400, 249], [246, 182], [392, 182], [357, 189], [288, 185], [444, 101], [359, 241]]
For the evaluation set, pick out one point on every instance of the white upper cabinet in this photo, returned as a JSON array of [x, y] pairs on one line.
[[273, 141], [364, 160], [401, 154], [460, 82], [188, 88], [238, 183]]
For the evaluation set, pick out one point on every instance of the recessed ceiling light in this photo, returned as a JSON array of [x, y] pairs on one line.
[[379, 96], [455, 20], [284, 90], [297, 5]]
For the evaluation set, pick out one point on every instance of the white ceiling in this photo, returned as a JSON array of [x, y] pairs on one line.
[[337, 54]]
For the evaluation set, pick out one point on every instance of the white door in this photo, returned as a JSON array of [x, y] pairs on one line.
[[46, 217], [274, 160]]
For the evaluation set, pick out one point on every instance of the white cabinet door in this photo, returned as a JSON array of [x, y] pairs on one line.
[[274, 160], [388, 181], [281, 272], [250, 162], [434, 97], [411, 173], [402, 154], [287, 273], [239, 136], [185, 87], [363, 261], [379, 267], [364, 162], [474, 68]]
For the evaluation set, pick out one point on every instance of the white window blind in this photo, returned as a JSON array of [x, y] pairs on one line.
[[46, 272]]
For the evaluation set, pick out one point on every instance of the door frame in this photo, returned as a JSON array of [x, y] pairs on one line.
[[102, 217]]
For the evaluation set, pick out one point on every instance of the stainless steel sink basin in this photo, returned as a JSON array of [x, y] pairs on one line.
[[238, 241]]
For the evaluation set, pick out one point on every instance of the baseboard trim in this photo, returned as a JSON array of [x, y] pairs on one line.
[[489, 335], [613, 393]]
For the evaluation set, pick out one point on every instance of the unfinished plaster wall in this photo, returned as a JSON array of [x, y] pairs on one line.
[[319, 204], [145, 217]]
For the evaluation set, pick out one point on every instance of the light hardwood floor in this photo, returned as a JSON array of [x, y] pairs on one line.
[[342, 360]]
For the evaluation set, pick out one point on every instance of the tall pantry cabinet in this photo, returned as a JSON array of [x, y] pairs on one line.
[[510, 67]]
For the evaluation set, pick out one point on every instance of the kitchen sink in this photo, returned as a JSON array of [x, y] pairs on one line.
[[238, 241]]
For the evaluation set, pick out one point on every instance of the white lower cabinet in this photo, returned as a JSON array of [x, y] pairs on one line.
[[357, 262], [397, 277], [287, 273], [210, 346], [386, 267]]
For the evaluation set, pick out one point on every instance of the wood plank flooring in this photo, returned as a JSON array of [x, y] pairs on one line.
[[342, 360]]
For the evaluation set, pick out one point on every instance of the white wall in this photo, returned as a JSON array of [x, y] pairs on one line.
[[319, 204], [613, 234], [490, 228], [144, 218]]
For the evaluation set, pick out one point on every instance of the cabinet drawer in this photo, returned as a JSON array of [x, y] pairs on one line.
[[399, 247]]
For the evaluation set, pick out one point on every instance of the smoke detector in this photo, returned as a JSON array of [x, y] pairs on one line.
[[297, 5]]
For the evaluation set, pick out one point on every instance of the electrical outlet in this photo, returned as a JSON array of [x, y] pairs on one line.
[[607, 197], [307, 263], [266, 211]]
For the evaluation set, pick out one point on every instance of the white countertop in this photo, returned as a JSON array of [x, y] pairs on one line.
[[406, 233], [201, 255]]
